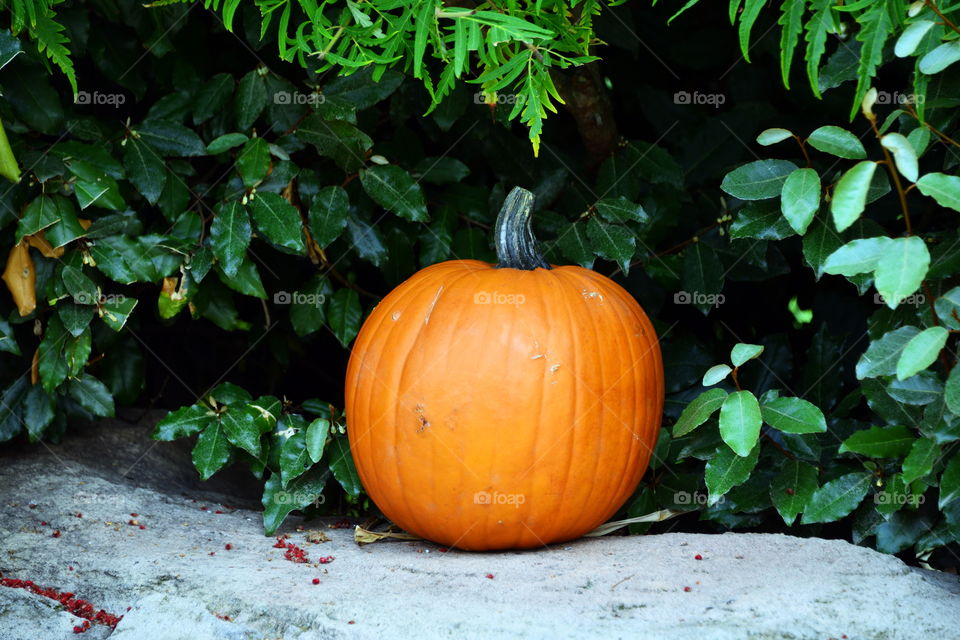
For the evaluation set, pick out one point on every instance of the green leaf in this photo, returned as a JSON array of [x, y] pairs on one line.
[[880, 442], [212, 450], [39, 214], [942, 188], [307, 306], [327, 217], [299, 494], [116, 311], [875, 28], [344, 470], [92, 395], [760, 221], [294, 458], [241, 429], [171, 138], [230, 236], [940, 58], [921, 351], [211, 97], [743, 352], [919, 462], [947, 307], [246, 280], [837, 142], [621, 210], [904, 155], [317, 434], [39, 410], [793, 415], [740, 422], [751, 10], [341, 141], [916, 390], [791, 19], [8, 342], [818, 27], [78, 285], [758, 180], [144, 169], [768, 137], [800, 198], [51, 363], [911, 37], [836, 498], [67, 228], [575, 245], [250, 100], [442, 170], [699, 411], [76, 351], [612, 242], [792, 488], [857, 256], [901, 271], [950, 482], [253, 163], [344, 315], [366, 241], [726, 470], [702, 277], [226, 142], [850, 194], [278, 220], [716, 374], [392, 188], [184, 422], [882, 356]]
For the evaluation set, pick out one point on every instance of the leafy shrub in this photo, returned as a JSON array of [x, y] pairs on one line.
[[211, 212]]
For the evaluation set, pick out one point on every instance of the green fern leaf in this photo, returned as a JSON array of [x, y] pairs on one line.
[[50, 40], [875, 28], [751, 10], [791, 19], [819, 25]]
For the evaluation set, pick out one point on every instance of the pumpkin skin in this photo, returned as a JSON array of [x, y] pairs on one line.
[[494, 408]]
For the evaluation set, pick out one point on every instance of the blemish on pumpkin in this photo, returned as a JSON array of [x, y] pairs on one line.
[[554, 368], [592, 294], [424, 423], [433, 304], [539, 355], [395, 316]]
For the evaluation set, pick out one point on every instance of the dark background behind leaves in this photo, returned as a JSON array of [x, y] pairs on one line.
[[166, 203]]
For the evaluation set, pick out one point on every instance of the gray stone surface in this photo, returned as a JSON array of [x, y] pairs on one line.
[[180, 582]]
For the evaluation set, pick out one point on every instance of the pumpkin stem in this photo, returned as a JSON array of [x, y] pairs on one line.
[[516, 246]]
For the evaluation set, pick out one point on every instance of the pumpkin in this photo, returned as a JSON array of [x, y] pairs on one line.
[[504, 406]]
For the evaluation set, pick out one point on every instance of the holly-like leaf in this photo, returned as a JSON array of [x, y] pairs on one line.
[[921, 351], [230, 236], [344, 314], [740, 422], [144, 169], [836, 498], [344, 470], [800, 198], [837, 142], [278, 220], [394, 189], [902, 270], [184, 422], [880, 442], [758, 180], [942, 188], [212, 450], [792, 488], [317, 434], [726, 470], [699, 411], [850, 194], [92, 395], [793, 415], [328, 215]]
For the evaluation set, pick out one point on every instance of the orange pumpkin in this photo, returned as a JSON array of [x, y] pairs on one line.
[[507, 406]]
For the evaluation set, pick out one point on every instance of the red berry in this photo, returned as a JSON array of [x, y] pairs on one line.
[[443, 549], [218, 511], [316, 581], [56, 534], [490, 576], [789, 491], [143, 526], [351, 622], [133, 515], [32, 506], [698, 557], [686, 589], [79, 515], [228, 546], [43, 523]]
